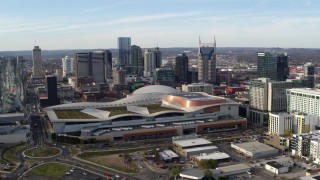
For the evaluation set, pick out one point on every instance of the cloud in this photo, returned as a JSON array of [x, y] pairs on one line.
[[124, 20], [96, 9]]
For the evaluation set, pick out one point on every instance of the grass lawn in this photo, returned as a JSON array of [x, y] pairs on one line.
[[117, 110], [10, 156], [72, 114], [50, 170], [153, 108], [112, 159], [42, 151]]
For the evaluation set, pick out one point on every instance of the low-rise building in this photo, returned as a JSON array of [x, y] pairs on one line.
[[280, 142], [255, 149], [182, 143], [218, 156], [198, 150], [169, 156], [226, 171], [276, 167], [195, 174]]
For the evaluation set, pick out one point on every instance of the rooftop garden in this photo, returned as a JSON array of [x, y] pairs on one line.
[[77, 114], [154, 108], [117, 110], [72, 114]]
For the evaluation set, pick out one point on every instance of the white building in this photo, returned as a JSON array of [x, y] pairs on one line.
[[149, 63], [280, 123], [305, 100], [37, 62], [288, 123], [59, 74], [68, 66], [218, 156], [255, 149], [315, 150], [198, 87], [304, 123], [276, 167]]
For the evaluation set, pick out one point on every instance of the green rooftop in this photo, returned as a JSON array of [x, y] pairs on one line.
[[77, 114], [154, 108], [72, 114], [117, 110]]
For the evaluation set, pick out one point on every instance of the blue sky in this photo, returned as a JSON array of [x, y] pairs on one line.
[[79, 24]]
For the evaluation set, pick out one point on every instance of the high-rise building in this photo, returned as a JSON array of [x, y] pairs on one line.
[[164, 76], [108, 64], [270, 96], [280, 124], [308, 72], [158, 57], [92, 64], [181, 68], [273, 65], [149, 63], [137, 61], [304, 100], [207, 71], [37, 60], [68, 66], [300, 144], [119, 76], [12, 87], [124, 47], [52, 92], [198, 87]]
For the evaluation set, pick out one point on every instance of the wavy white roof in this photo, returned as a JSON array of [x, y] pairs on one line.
[[155, 89]]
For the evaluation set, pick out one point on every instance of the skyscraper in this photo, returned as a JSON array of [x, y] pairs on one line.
[[149, 63], [68, 66], [273, 65], [124, 47], [137, 60], [181, 68], [108, 64], [37, 66], [164, 76], [92, 64], [158, 57], [207, 62], [308, 72], [52, 92]]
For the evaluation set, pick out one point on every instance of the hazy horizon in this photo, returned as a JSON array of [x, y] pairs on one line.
[[77, 24]]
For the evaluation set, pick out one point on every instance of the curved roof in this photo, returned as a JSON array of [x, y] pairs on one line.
[[155, 89]]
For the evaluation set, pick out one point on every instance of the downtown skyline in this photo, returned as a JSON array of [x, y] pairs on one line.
[[81, 24]]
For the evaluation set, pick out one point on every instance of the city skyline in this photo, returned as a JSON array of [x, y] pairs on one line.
[[80, 25]]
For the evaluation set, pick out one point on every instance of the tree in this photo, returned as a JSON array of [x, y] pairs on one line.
[[208, 164], [207, 174], [175, 171]]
